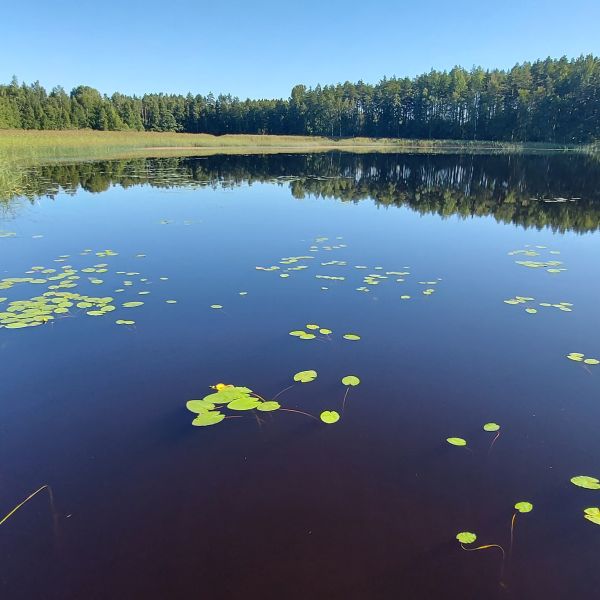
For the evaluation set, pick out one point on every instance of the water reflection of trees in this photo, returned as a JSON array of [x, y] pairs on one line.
[[519, 189]]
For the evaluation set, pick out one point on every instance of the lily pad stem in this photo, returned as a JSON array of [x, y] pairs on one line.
[[18, 506], [299, 412], [289, 387]]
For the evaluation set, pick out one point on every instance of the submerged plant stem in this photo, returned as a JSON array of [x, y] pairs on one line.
[[345, 396], [512, 530], [494, 441], [16, 508], [289, 387], [299, 412]]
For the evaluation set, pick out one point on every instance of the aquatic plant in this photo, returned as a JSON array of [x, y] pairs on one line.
[[468, 537], [520, 507], [586, 482], [456, 441], [21, 504], [349, 381], [492, 427], [592, 514]]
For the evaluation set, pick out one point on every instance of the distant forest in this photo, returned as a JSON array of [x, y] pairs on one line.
[[552, 100]]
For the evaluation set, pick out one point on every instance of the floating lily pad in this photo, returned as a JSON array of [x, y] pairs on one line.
[[208, 418], [351, 380], [305, 376], [124, 322], [524, 507], [589, 483], [456, 441], [132, 304], [466, 537], [351, 336], [216, 306], [199, 406], [330, 416], [591, 361], [325, 331], [592, 514], [244, 403], [491, 427], [312, 326], [268, 406]]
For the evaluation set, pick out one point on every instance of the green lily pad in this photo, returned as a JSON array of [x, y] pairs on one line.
[[456, 441], [124, 322], [589, 483], [591, 361], [216, 306], [132, 304], [208, 418], [330, 416], [325, 331], [307, 336], [491, 427], [199, 406], [244, 403], [524, 507], [305, 376], [351, 336], [268, 406], [297, 333], [466, 537], [312, 326], [592, 514], [350, 380]]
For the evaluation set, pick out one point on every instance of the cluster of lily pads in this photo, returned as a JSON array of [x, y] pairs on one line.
[[579, 357], [369, 281], [313, 330], [551, 266], [517, 300], [209, 410], [489, 427], [58, 301]]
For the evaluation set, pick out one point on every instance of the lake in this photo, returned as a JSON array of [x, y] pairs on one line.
[[467, 279]]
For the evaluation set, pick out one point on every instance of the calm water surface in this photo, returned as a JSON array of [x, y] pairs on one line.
[[147, 506]]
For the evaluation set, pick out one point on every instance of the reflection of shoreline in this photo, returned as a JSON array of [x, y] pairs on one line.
[[561, 192]]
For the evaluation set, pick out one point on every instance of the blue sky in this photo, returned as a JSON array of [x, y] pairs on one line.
[[262, 48]]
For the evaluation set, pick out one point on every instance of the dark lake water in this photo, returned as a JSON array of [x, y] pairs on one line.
[[280, 505]]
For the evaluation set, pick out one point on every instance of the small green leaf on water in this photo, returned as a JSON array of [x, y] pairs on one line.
[[456, 441], [592, 514], [199, 406], [244, 403], [307, 336], [531, 311], [350, 380], [297, 333], [305, 376], [132, 304], [591, 361], [216, 306], [171, 301], [351, 336], [466, 537], [589, 483], [312, 326], [268, 406], [491, 427], [208, 418], [330, 416], [124, 322], [325, 331], [524, 507]]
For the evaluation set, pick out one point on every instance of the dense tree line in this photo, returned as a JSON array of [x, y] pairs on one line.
[[522, 189], [552, 100]]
